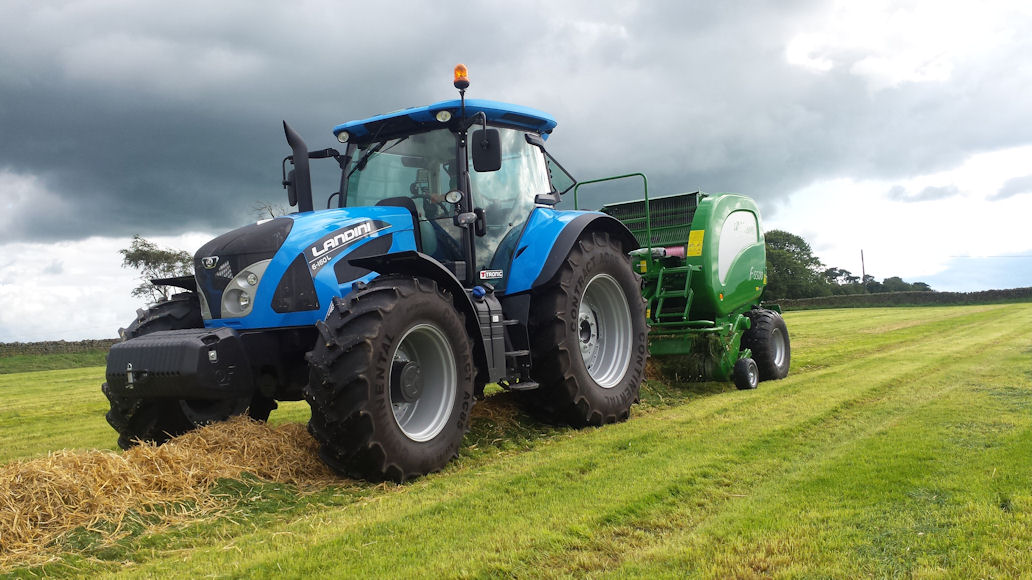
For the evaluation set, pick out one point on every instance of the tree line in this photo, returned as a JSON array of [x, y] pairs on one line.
[[794, 272]]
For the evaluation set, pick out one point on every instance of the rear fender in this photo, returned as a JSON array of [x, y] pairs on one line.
[[548, 239]]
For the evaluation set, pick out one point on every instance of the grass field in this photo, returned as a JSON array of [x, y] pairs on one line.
[[21, 363], [899, 446]]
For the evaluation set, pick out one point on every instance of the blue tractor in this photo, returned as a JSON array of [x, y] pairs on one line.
[[440, 265]]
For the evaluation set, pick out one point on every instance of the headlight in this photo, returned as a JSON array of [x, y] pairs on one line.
[[238, 297]]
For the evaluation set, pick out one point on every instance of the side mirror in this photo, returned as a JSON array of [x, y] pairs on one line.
[[487, 150], [291, 192]]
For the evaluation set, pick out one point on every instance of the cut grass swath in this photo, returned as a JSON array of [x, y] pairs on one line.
[[44, 498]]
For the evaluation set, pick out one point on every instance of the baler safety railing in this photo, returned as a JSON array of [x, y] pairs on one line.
[[645, 185]]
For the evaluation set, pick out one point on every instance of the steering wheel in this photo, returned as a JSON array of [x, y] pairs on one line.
[[432, 208]]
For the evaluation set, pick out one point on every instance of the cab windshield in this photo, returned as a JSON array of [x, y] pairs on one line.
[[416, 166], [420, 167]]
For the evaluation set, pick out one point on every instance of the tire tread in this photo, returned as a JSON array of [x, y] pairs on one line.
[[564, 396], [341, 385]]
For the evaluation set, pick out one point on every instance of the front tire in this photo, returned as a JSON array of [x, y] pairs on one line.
[[745, 374], [589, 336], [391, 382]]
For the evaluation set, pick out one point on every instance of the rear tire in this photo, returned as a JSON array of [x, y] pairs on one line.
[[391, 382], [768, 340], [157, 420], [589, 336]]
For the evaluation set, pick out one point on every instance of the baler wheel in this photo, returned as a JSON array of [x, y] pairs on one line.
[[589, 336], [158, 420], [768, 339], [745, 374], [391, 381]]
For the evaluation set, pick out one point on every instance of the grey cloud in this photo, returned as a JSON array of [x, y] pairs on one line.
[[1012, 187], [931, 193], [897, 193], [162, 119]]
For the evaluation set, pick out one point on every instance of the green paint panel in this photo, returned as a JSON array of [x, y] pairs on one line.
[[703, 265]]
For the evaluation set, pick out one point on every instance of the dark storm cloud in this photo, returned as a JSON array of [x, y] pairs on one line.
[[161, 118], [135, 142]]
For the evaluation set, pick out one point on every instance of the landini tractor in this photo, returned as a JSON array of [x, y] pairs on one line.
[[440, 265]]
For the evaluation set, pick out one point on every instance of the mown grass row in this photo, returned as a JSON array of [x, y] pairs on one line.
[[900, 445]]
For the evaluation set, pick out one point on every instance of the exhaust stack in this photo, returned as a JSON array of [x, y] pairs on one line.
[[299, 181]]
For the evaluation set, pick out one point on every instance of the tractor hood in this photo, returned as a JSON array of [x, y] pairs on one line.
[[284, 271]]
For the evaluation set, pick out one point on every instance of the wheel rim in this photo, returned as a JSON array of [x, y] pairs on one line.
[[777, 343], [423, 382], [604, 331]]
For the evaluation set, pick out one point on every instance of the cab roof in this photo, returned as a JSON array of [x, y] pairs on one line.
[[416, 119]]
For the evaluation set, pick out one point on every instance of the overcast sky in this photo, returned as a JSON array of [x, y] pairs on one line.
[[903, 129]]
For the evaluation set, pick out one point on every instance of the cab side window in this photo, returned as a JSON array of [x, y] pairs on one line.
[[507, 198]]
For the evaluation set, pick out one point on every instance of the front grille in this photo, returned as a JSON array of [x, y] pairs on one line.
[[218, 261]]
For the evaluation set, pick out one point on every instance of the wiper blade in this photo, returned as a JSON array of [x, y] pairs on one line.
[[365, 158], [376, 149]]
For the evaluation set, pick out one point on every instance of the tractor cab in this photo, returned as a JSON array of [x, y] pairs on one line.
[[471, 172]]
